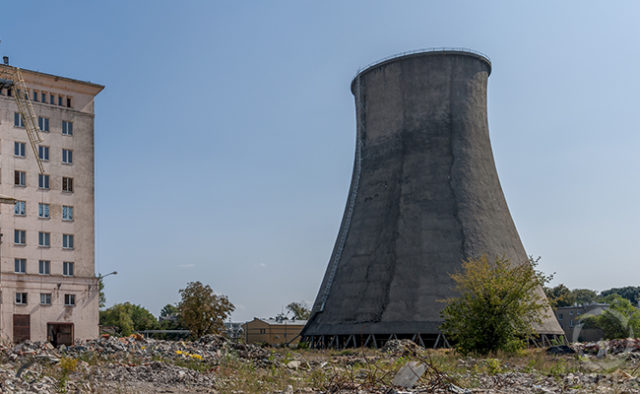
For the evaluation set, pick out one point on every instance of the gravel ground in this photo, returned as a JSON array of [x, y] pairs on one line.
[[214, 364]]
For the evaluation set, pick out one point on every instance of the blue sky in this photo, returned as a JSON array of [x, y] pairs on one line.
[[225, 134]]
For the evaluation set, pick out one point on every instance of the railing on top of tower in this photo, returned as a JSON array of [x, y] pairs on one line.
[[419, 51]]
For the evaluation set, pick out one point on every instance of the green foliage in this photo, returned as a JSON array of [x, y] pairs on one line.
[[128, 318], [169, 318], [202, 311], [67, 365], [300, 310], [631, 293], [620, 320], [496, 307], [561, 296], [102, 299]]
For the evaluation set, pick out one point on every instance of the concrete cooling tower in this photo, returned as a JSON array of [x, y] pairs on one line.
[[424, 196]]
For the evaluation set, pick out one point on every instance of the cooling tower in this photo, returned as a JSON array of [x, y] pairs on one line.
[[424, 196]]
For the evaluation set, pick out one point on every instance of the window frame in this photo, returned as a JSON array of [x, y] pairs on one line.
[[47, 297], [19, 235], [69, 299], [19, 149], [44, 239], [23, 211], [44, 179], [68, 268], [66, 209], [42, 206], [19, 265], [67, 156], [67, 241], [67, 184], [67, 127], [21, 177], [18, 120], [43, 149], [44, 267], [43, 124], [23, 299]]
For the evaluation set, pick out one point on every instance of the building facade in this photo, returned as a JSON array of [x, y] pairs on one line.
[[49, 290], [273, 332], [570, 317]]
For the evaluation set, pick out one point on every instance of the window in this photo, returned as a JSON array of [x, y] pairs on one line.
[[20, 266], [570, 313], [43, 210], [19, 149], [67, 268], [20, 209], [570, 323], [263, 331], [43, 97], [67, 184], [68, 102], [52, 99], [43, 153], [45, 298], [67, 156], [21, 298], [559, 316], [60, 101], [17, 119], [44, 239], [19, 237], [69, 300], [35, 96], [20, 178], [67, 241], [43, 123], [44, 267], [67, 213], [43, 181], [67, 128]]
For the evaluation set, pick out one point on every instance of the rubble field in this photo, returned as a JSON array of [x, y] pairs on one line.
[[214, 364]]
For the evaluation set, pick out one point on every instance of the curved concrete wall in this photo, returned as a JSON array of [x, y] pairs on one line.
[[424, 196]]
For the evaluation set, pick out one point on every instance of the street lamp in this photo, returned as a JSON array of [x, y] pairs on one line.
[[100, 276]]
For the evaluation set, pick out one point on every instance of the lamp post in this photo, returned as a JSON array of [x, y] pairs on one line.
[[100, 276]]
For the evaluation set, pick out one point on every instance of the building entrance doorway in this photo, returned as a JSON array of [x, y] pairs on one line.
[[60, 334], [21, 328]]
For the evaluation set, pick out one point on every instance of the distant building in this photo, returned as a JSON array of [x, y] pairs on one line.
[[234, 330], [569, 319], [272, 331]]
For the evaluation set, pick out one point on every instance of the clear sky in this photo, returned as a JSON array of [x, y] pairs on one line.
[[225, 134]]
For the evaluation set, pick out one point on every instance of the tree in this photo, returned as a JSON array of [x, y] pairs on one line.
[[584, 296], [128, 318], [620, 320], [496, 307], [169, 318], [559, 296], [202, 311], [300, 310], [102, 299], [631, 293]]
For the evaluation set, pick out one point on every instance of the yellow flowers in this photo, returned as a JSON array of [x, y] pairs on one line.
[[192, 355]]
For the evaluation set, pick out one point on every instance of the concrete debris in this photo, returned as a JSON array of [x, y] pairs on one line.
[[408, 375], [213, 363]]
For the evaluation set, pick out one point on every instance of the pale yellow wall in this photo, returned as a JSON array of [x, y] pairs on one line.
[[84, 285]]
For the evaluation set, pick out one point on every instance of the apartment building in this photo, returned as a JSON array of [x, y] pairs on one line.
[[48, 287]]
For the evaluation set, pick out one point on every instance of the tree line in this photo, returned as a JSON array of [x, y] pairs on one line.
[[200, 311], [560, 295]]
